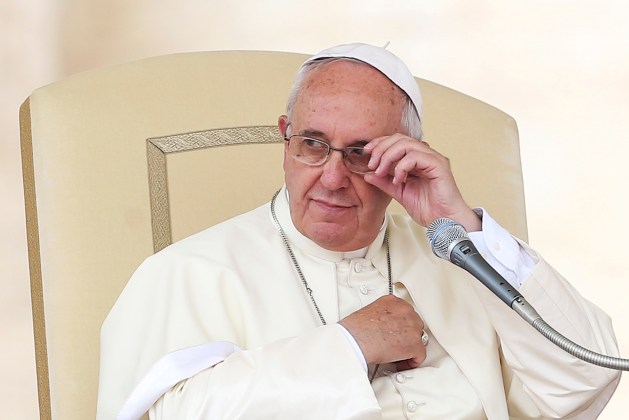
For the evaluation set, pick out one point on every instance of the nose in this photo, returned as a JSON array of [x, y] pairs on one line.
[[335, 174]]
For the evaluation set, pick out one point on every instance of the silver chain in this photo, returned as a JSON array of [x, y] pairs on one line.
[[298, 268]]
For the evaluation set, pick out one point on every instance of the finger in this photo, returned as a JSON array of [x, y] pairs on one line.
[[405, 166], [375, 142], [408, 364], [412, 152], [377, 147]]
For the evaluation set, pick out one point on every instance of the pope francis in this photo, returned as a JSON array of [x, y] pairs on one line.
[[321, 305]]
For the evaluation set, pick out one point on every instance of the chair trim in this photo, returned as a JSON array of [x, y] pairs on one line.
[[34, 262], [158, 148]]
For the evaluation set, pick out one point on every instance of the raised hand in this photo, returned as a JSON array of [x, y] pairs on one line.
[[419, 178]]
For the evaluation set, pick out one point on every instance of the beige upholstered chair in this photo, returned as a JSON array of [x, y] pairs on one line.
[[121, 161]]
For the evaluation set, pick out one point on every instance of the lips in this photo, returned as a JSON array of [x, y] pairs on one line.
[[331, 206]]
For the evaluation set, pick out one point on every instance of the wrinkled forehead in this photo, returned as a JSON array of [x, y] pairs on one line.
[[379, 58], [351, 96], [344, 75]]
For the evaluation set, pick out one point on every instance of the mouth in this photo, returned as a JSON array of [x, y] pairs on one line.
[[330, 206]]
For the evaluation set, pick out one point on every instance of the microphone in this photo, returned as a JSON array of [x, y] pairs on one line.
[[448, 240]]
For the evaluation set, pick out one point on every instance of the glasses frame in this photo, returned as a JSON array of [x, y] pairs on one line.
[[345, 151]]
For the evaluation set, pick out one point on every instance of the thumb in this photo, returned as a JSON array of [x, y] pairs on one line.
[[407, 364]]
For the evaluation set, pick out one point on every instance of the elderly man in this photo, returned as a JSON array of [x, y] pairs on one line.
[[321, 305]]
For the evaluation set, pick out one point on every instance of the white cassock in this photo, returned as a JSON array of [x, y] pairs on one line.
[[219, 326]]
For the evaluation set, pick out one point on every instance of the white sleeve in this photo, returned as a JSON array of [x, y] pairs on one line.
[[502, 251], [182, 364], [168, 371], [560, 385], [313, 383]]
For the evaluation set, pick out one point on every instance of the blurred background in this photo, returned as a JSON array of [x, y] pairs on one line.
[[560, 68]]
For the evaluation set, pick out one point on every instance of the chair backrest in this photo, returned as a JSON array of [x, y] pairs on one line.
[[121, 161]]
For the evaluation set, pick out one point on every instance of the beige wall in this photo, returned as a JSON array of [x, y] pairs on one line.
[[560, 68]]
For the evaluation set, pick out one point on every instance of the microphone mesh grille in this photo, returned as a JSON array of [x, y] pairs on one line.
[[441, 233]]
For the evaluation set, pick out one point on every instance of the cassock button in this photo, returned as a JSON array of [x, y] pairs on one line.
[[411, 406], [400, 378], [364, 289]]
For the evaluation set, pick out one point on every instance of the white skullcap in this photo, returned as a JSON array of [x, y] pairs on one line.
[[381, 59]]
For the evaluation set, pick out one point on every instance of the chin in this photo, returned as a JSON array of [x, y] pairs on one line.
[[330, 238]]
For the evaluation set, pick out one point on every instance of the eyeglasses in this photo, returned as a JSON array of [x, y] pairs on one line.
[[316, 152]]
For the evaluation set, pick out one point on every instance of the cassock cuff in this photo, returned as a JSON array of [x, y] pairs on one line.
[[354, 344], [502, 251]]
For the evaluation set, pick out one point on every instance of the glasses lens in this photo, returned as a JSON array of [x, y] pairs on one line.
[[309, 151], [315, 152], [357, 159]]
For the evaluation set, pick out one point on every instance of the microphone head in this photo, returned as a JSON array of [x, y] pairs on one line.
[[442, 233]]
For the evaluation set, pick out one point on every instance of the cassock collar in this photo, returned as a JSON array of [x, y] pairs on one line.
[[308, 246]]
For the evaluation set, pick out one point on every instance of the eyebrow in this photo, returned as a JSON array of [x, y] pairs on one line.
[[312, 133]]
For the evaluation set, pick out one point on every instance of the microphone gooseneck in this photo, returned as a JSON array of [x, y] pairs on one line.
[[448, 240]]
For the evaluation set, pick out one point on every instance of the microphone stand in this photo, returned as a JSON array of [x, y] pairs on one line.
[[449, 240], [530, 315]]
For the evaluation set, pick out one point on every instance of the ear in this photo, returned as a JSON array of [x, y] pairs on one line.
[[282, 124]]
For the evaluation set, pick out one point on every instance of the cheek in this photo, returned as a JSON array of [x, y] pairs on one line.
[[373, 200], [290, 171], [298, 180], [287, 159]]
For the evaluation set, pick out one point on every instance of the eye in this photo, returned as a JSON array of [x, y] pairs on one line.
[[357, 152], [314, 143]]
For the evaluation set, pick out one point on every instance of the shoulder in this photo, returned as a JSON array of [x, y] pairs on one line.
[[252, 226], [218, 248]]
